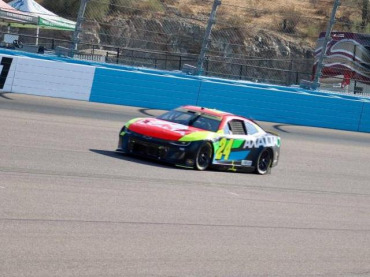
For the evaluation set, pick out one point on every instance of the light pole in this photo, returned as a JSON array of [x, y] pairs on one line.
[[206, 39], [80, 19], [315, 83]]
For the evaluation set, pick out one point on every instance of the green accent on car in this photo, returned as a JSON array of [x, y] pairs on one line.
[[122, 133], [233, 167], [128, 123], [216, 145], [201, 135], [218, 111], [238, 143]]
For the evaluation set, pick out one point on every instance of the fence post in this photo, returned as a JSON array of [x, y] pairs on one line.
[[117, 56], [354, 60], [180, 62], [315, 83], [80, 19], [296, 78], [290, 80], [207, 65], [211, 22]]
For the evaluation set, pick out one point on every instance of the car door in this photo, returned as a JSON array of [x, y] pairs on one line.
[[231, 148]]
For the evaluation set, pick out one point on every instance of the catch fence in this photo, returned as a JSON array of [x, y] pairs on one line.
[[267, 41]]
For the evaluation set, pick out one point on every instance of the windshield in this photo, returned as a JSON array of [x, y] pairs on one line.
[[194, 119]]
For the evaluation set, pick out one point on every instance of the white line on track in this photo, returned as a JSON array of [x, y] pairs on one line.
[[2, 187]]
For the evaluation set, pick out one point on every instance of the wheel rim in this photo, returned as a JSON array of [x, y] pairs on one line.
[[264, 161], [204, 156]]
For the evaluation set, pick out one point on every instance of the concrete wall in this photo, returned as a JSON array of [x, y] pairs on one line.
[[256, 101], [122, 85], [143, 89], [364, 125], [49, 78], [283, 106]]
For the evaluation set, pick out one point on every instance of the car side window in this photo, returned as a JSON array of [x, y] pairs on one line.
[[251, 129], [226, 130], [237, 127]]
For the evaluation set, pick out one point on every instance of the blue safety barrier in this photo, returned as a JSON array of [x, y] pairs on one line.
[[150, 88], [143, 89], [301, 108], [364, 125], [256, 101]]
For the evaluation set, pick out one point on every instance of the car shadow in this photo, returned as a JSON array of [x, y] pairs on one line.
[[156, 163], [134, 159]]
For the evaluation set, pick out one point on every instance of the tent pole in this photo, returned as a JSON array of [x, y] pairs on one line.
[[37, 35]]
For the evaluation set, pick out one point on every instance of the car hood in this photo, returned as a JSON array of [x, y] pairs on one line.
[[161, 129]]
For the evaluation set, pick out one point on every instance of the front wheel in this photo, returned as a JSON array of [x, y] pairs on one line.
[[264, 162], [204, 156]]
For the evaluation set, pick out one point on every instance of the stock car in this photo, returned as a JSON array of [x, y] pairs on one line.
[[200, 138]]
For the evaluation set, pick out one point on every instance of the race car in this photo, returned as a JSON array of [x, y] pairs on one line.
[[201, 138]]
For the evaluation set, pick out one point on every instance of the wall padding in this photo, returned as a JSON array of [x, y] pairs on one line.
[[364, 125], [300, 108], [52, 78], [143, 89]]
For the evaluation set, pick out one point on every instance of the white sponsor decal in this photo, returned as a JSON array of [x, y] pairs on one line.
[[246, 162], [268, 141]]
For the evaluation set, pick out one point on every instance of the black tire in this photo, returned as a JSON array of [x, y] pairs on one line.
[[204, 156], [264, 162]]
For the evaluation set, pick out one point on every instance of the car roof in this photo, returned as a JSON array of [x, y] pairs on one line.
[[213, 112]]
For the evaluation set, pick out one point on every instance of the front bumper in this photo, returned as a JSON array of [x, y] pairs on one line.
[[174, 152]]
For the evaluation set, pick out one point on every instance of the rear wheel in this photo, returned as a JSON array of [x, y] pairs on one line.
[[204, 156], [264, 162]]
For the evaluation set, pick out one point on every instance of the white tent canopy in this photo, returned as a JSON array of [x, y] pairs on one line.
[[8, 14], [46, 18]]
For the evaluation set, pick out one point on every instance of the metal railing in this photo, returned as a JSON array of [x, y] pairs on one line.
[[237, 39]]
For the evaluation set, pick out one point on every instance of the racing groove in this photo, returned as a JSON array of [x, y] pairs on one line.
[[71, 206]]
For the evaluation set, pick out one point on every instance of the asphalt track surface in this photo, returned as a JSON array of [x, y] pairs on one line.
[[71, 206]]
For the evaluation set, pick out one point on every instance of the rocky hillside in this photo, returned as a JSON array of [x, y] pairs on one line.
[[249, 35]]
